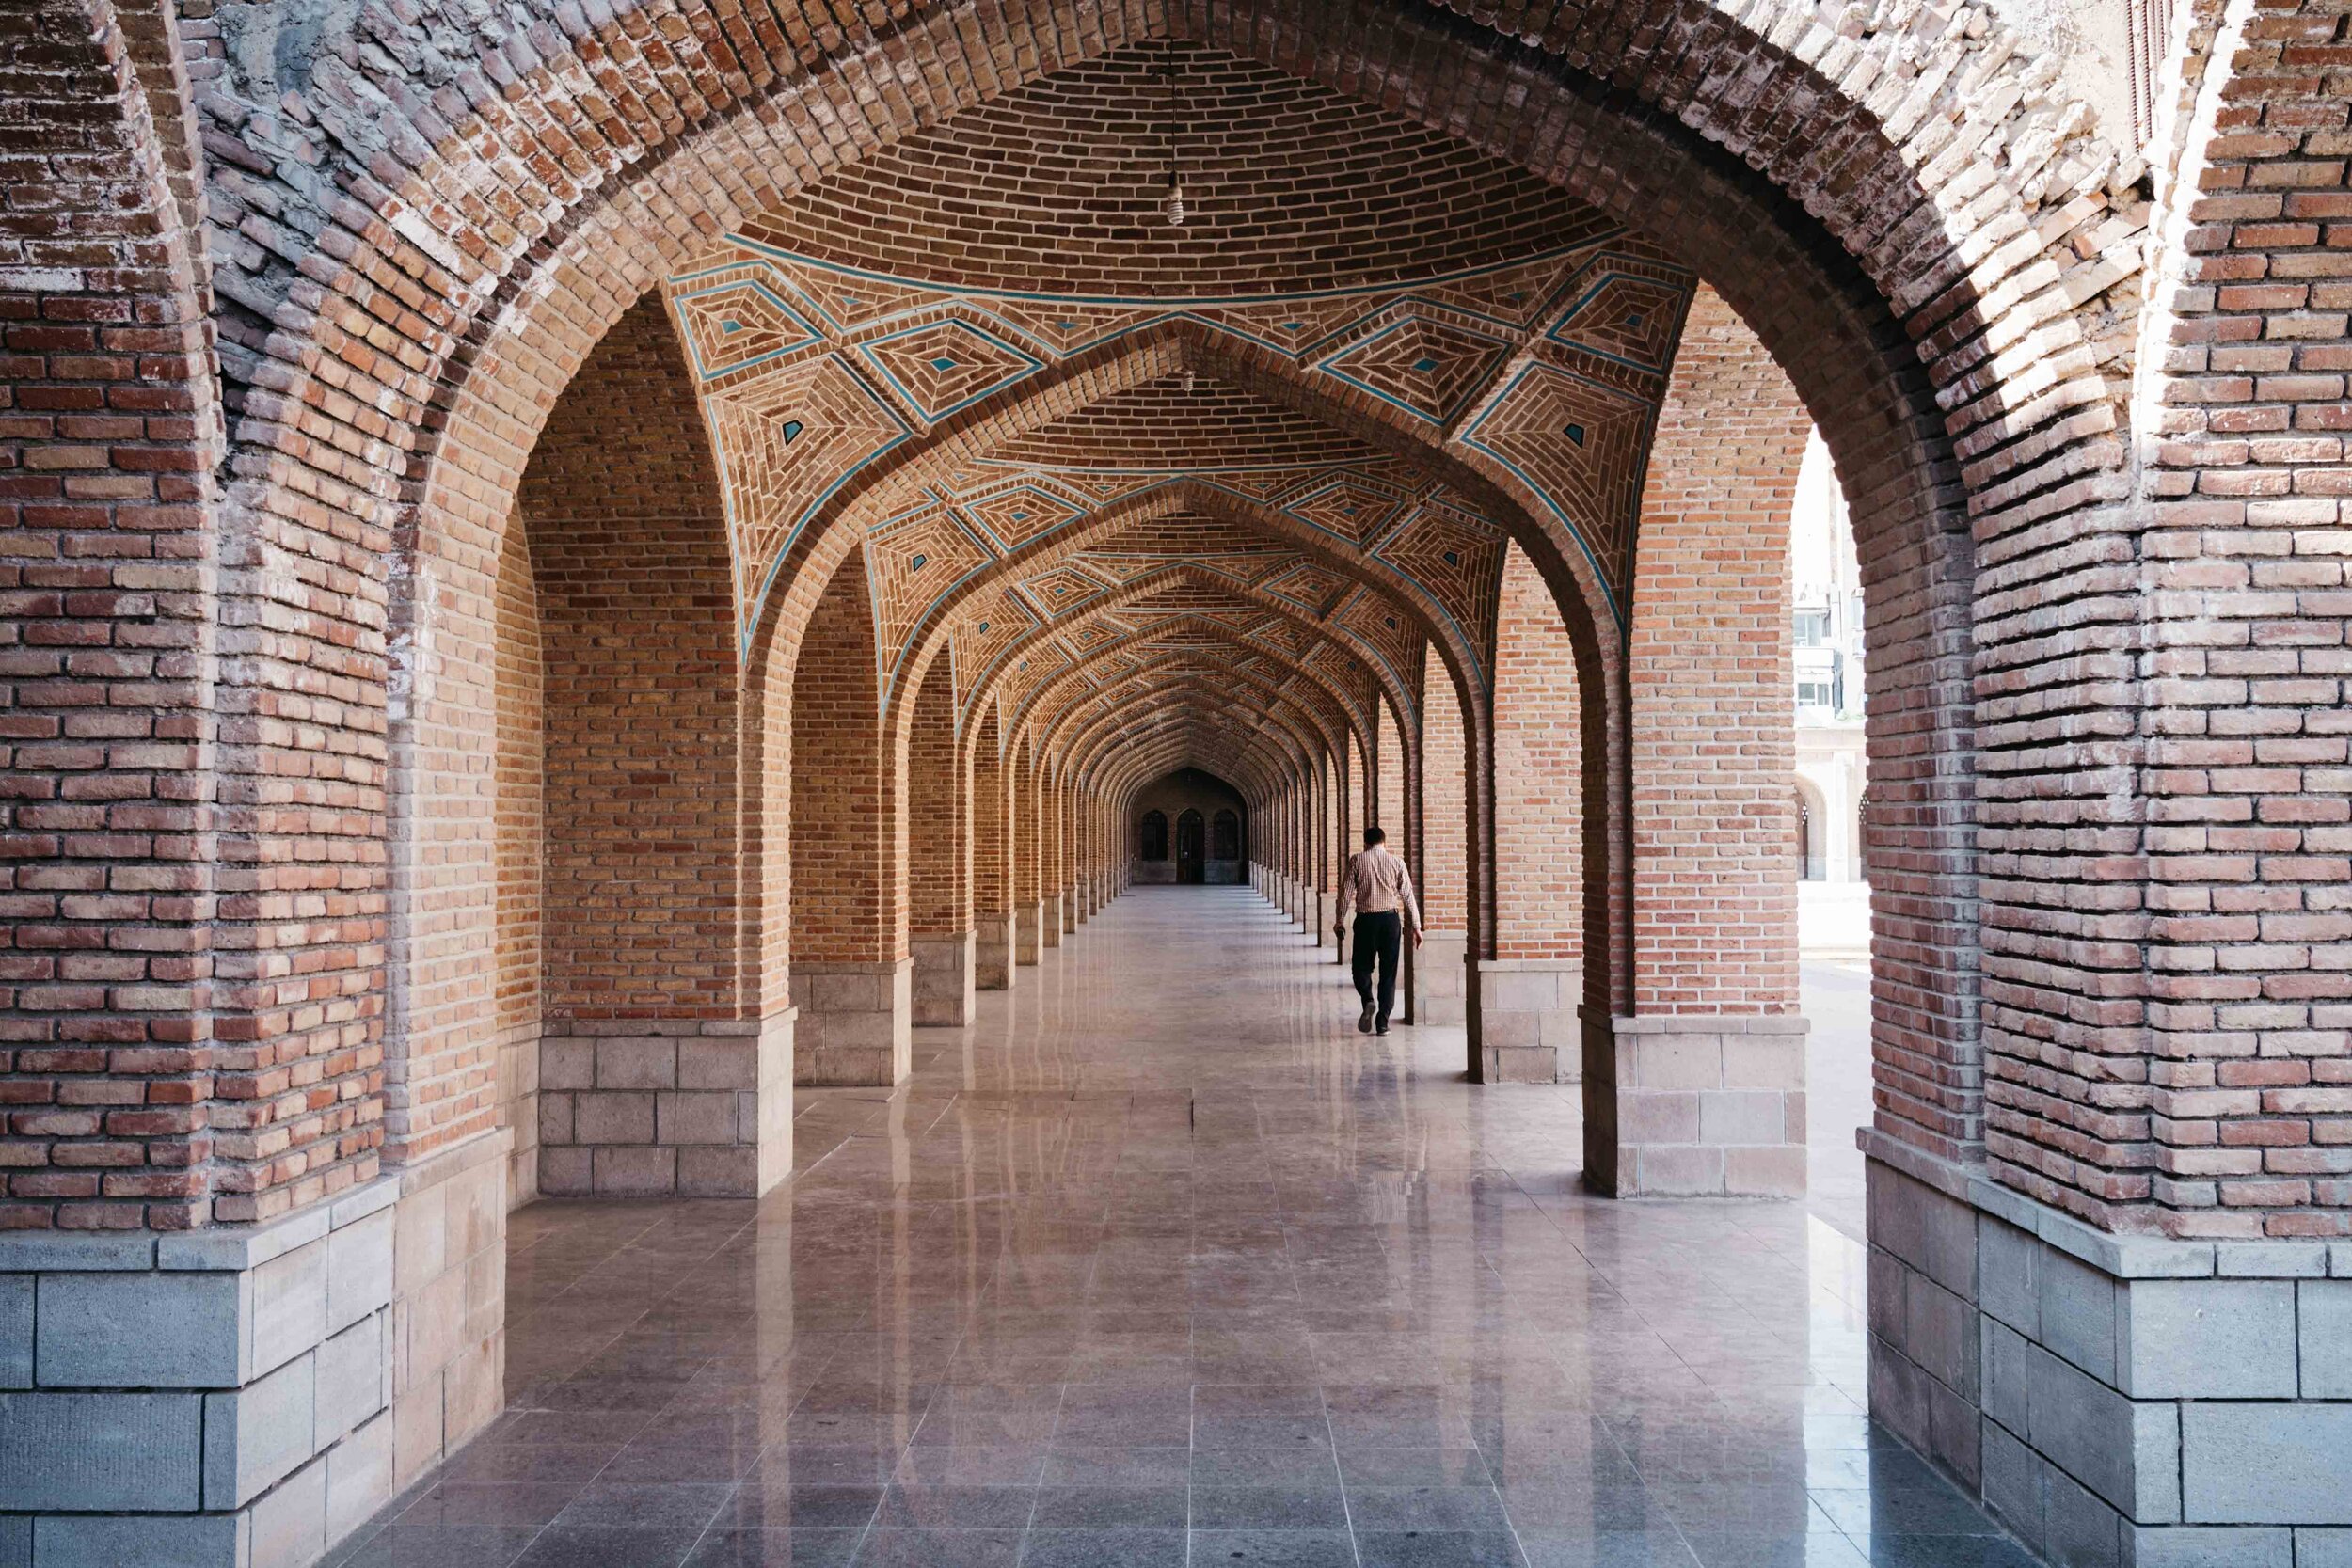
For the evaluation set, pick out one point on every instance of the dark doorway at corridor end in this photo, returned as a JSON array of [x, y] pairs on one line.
[[1189, 826]]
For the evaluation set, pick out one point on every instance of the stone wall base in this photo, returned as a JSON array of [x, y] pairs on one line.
[[1522, 1013], [1708, 1104], [655, 1108], [945, 975], [246, 1397], [991, 952], [2117, 1401], [854, 1024]]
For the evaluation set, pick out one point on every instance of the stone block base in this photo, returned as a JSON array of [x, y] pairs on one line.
[[2113, 1399], [991, 952], [1522, 1016], [518, 1113], [854, 1023], [1694, 1105], [946, 974], [246, 1397], [1049, 921], [1438, 992], [1069, 911], [1029, 942], [689, 1108]]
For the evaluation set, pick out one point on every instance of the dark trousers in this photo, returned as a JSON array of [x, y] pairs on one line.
[[1379, 936]]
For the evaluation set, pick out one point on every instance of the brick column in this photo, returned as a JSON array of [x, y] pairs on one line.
[[1438, 971], [939, 856], [1703, 1088], [1029, 908], [1531, 988], [992, 967], [1052, 901], [851, 970]]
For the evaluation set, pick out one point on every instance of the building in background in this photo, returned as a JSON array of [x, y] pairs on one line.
[[1831, 782]]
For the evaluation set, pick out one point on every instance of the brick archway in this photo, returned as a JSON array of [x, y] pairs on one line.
[[1809, 287]]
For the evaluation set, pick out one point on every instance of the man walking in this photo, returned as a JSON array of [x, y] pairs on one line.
[[1381, 890]]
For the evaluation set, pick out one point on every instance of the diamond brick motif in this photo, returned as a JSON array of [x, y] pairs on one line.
[[946, 366]]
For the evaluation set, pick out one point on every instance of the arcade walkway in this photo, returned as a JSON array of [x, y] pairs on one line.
[[1162, 1258]]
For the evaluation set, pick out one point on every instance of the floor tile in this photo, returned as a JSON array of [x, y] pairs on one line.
[[1103, 1548], [1281, 1548], [607, 1546], [1114, 1248], [775, 1548], [939, 1548]]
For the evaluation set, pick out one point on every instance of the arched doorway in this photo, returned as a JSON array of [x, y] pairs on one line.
[[1155, 837], [1189, 847]]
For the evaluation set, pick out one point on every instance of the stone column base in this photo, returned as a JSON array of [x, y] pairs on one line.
[[2113, 1399], [1069, 910], [1049, 925], [654, 1108], [946, 974], [991, 952], [1682, 1105], [855, 1023], [518, 1113], [245, 1396], [1439, 966], [1523, 1014], [1028, 945]]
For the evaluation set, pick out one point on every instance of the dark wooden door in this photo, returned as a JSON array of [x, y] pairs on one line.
[[1188, 847]]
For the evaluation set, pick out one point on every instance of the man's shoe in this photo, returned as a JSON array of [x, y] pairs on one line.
[[1363, 1020], [1381, 1028]]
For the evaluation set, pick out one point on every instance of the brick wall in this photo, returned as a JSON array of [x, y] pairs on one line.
[[848, 819], [109, 432], [2241, 1123], [620, 505], [519, 789], [1539, 789], [1713, 738]]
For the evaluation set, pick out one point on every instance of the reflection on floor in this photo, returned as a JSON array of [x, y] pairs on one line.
[[1161, 1262]]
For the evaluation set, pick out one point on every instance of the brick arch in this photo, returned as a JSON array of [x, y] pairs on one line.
[[460, 265], [1113, 523], [1332, 722], [1199, 690], [1185, 686], [1189, 733], [1150, 582], [882, 487]]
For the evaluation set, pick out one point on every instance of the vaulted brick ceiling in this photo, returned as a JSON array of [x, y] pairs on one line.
[[988, 350]]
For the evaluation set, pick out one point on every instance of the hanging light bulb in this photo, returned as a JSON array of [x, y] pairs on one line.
[[1175, 200]]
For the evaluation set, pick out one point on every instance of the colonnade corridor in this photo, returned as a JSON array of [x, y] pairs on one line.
[[1159, 1261]]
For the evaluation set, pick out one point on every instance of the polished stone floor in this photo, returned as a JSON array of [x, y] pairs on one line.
[[1161, 1262]]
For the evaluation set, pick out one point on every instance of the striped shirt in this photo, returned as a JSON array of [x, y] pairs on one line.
[[1376, 882]]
